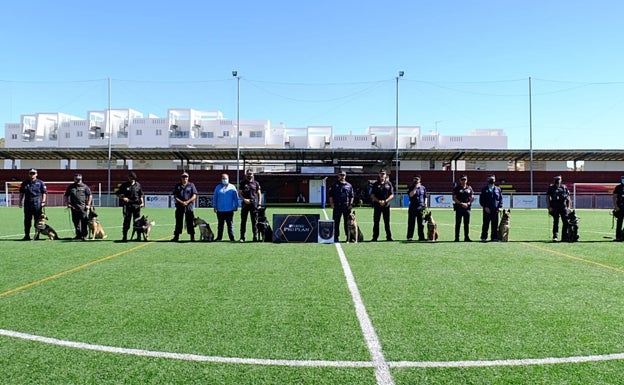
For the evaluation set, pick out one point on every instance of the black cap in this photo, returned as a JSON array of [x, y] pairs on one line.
[[417, 177], [342, 173], [491, 177], [132, 175], [557, 177], [462, 177], [78, 176], [32, 171]]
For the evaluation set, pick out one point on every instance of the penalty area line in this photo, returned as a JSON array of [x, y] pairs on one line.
[[312, 363]]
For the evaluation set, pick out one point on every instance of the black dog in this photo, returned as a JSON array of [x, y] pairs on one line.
[[572, 232], [141, 228], [263, 228]]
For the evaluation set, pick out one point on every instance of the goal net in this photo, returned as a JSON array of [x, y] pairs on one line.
[[593, 195], [56, 190]]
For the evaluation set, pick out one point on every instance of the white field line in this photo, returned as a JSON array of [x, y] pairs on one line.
[[312, 363], [382, 370]]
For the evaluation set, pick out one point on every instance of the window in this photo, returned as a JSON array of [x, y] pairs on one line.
[[138, 132], [14, 136], [158, 132], [226, 134], [79, 134], [255, 134], [207, 134]]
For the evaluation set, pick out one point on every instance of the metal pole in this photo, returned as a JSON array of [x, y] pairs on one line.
[[110, 134], [530, 136], [235, 74], [396, 138]]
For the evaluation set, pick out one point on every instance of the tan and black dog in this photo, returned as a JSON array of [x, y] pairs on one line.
[[504, 225], [142, 228], [205, 232], [354, 234], [96, 231], [432, 227], [42, 228]]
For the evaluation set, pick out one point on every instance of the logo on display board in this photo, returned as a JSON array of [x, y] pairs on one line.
[[295, 227]]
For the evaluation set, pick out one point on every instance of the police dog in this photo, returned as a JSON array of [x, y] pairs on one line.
[[432, 227], [503, 226], [354, 234], [42, 227], [263, 228], [205, 232], [142, 228], [572, 232], [95, 227]]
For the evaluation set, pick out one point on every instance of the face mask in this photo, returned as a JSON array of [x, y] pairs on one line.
[[224, 181]]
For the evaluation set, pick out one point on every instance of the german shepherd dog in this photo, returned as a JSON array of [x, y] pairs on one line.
[[503, 226], [354, 234], [205, 232], [263, 228], [95, 227], [142, 228], [41, 227], [572, 232], [432, 227]]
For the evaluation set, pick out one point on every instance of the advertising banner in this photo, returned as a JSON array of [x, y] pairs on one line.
[[295, 227]]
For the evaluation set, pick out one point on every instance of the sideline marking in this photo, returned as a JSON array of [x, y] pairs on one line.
[[573, 257], [382, 370], [312, 363], [72, 270]]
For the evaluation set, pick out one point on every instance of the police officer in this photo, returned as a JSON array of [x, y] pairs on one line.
[[463, 195], [491, 199], [417, 203], [381, 195], [33, 195], [78, 199], [184, 194], [341, 195], [250, 194], [558, 200], [618, 210], [131, 195]]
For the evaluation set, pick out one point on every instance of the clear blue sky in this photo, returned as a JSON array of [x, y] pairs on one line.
[[329, 62]]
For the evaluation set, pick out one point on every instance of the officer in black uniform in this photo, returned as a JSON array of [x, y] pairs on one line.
[[463, 195], [381, 195], [78, 199], [618, 210], [417, 203], [131, 197], [341, 195], [250, 194], [33, 194], [558, 199], [491, 199]]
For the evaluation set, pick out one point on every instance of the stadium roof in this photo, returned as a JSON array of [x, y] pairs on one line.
[[300, 154]]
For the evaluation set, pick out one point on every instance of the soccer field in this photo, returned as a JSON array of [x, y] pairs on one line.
[[102, 312]]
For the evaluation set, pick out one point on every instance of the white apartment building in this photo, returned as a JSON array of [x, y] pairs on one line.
[[186, 127]]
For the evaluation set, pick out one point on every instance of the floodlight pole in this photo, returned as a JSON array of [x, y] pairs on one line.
[[396, 134], [530, 137], [110, 134], [235, 74]]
